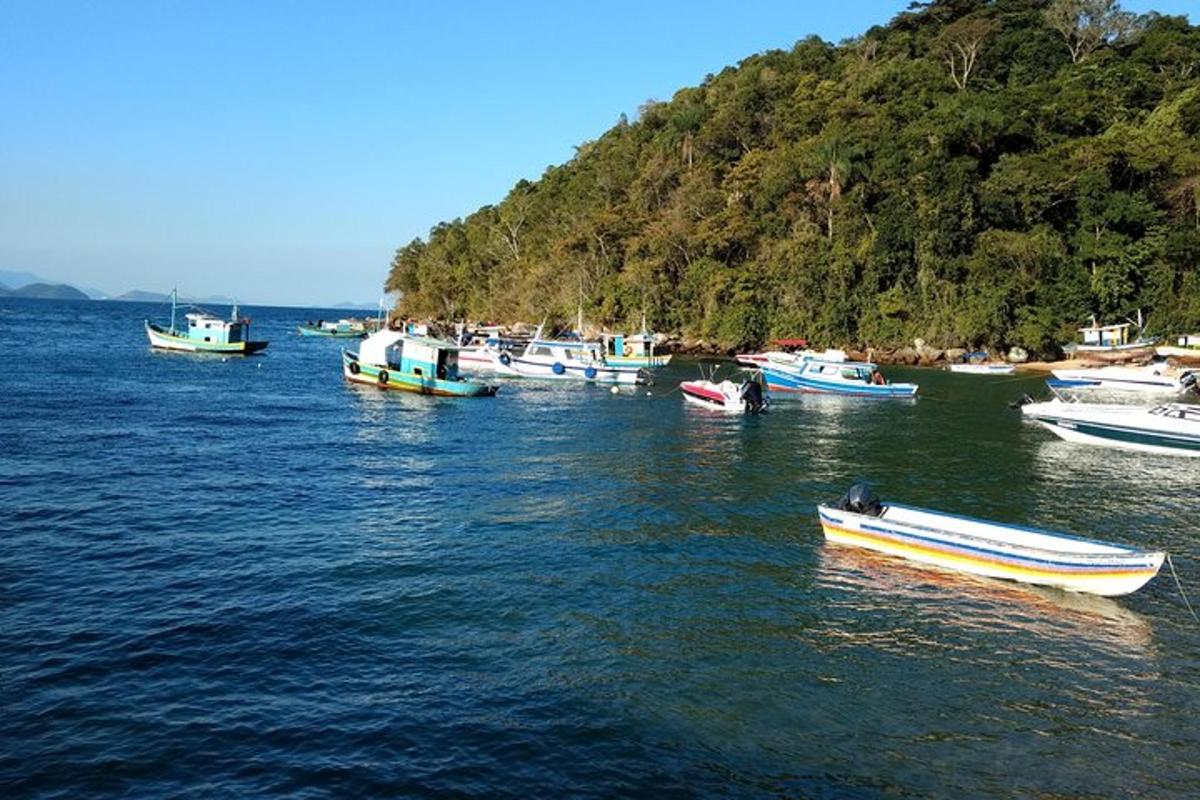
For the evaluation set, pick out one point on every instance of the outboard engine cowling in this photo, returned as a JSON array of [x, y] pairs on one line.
[[861, 499], [752, 395]]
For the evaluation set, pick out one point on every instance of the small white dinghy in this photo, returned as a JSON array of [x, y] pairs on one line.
[[983, 369], [986, 548]]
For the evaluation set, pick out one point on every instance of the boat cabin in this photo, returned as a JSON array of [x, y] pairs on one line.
[[844, 371], [566, 351], [639, 345], [1106, 335], [413, 355], [206, 328]]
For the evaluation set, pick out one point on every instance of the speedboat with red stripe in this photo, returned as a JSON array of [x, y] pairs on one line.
[[745, 397]]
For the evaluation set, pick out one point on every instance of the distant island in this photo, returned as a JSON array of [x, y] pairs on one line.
[[45, 291], [971, 174]]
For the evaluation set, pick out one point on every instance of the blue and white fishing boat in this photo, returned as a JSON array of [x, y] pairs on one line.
[[555, 359], [204, 333], [391, 359], [830, 375], [1144, 383], [1171, 428], [985, 548]]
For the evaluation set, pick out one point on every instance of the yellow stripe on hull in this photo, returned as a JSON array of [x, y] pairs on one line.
[[1122, 581]]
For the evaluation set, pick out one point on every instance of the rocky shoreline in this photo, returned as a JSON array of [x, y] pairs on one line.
[[920, 354]]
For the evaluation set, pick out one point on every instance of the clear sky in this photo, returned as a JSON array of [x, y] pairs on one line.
[[281, 151]]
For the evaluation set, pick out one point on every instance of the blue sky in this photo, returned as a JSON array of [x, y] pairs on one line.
[[280, 152]]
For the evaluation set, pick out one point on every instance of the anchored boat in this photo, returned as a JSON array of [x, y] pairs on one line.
[[746, 397], [342, 329], [975, 364], [790, 373], [633, 351], [1150, 381], [204, 333], [566, 360], [985, 548], [406, 362], [1172, 428]]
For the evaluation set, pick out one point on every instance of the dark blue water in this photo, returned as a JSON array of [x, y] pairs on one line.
[[243, 577]]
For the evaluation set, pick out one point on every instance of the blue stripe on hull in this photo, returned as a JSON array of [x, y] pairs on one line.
[[1118, 433]]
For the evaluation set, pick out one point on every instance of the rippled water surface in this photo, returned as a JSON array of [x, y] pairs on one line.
[[244, 577]]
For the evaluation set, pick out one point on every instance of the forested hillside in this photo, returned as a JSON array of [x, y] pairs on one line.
[[973, 173]]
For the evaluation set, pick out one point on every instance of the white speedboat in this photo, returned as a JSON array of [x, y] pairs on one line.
[[554, 359], [745, 397], [987, 548], [1099, 383], [1172, 428]]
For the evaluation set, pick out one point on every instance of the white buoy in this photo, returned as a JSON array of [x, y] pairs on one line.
[[615, 390]]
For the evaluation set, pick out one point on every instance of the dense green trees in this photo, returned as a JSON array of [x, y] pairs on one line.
[[975, 172]]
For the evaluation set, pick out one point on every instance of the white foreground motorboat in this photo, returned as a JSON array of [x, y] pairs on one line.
[[987, 548], [1172, 428]]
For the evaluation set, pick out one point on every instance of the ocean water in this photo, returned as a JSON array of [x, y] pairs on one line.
[[245, 577]]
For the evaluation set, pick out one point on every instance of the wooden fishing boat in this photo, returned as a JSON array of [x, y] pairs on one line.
[[395, 360], [1112, 340], [1170, 428], [989, 549], [204, 333], [633, 351]]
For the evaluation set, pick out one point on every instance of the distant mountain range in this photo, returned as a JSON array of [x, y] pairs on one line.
[[19, 283]]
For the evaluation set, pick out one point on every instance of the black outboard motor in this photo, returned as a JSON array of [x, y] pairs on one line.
[[752, 395], [645, 377], [861, 500], [1023, 400], [1189, 379]]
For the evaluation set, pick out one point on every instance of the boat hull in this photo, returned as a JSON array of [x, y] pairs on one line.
[[715, 396], [521, 367], [164, 340], [331, 334], [394, 380], [990, 552], [782, 381], [1125, 428], [983, 369], [647, 362]]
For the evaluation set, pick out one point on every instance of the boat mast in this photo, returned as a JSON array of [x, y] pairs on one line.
[[174, 298]]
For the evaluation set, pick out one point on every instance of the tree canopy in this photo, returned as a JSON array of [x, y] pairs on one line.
[[975, 172]]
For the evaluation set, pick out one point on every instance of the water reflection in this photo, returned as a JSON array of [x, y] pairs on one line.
[[868, 581]]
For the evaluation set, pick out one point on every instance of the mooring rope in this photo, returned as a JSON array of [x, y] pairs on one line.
[[1179, 586]]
